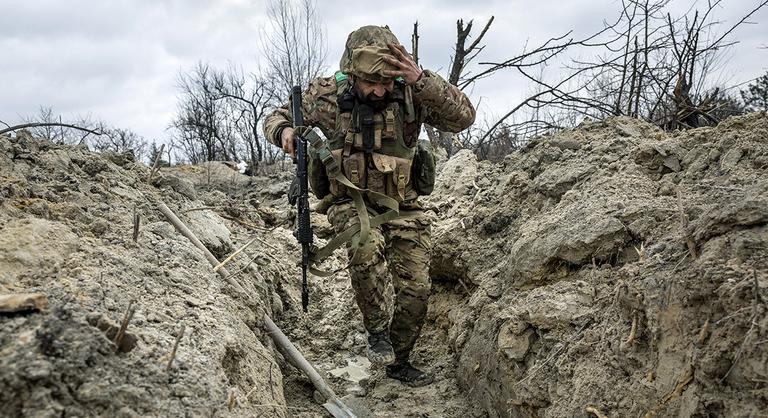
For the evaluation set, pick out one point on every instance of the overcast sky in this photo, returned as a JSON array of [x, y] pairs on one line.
[[118, 60]]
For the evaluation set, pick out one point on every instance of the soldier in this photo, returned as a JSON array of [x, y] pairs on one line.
[[371, 113]]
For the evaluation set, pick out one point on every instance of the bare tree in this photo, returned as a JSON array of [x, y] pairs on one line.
[[119, 140], [645, 64], [200, 125], [463, 54], [294, 44], [248, 98]]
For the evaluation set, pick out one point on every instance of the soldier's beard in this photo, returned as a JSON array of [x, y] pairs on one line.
[[376, 102]]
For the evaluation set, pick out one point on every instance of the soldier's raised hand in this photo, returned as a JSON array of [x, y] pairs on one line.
[[408, 69], [288, 139]]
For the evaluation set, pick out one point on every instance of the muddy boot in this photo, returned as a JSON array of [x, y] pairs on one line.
[[380, 349], [409, 375]]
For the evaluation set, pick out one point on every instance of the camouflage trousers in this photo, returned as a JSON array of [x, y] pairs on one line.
[[399, 249]]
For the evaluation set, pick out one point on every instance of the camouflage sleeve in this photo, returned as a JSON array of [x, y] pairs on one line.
[[445, 106], [318, 103]]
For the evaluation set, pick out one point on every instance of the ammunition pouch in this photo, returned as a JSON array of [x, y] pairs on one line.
[[379, 173], [423, 172]]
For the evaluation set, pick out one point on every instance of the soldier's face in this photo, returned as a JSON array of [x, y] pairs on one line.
[[373, 91]]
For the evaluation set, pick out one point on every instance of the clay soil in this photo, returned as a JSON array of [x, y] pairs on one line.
[[608, 270]]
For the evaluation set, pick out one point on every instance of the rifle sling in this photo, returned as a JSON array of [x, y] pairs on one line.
[[357, 234]]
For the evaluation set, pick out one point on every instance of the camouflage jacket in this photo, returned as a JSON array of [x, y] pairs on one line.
[[436, 102]]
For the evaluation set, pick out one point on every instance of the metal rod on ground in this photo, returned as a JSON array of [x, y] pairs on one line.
[[182, 228], [334, 405], [292, 354]]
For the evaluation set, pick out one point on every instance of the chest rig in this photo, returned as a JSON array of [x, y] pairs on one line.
[[368, 159], [369, 144]]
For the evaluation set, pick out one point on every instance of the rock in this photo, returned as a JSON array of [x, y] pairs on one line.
[[23, 302], [565, 143], [555, 181], [513, 345], [210, 228]]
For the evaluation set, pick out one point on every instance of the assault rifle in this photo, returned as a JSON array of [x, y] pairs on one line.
[[299, 194]]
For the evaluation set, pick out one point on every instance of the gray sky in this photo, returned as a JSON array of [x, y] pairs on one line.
[[118, 60]]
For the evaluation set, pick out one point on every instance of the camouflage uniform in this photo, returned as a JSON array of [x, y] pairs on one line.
[[401, 247]]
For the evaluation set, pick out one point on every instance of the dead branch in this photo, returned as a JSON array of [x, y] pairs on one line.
[[632, 334], [233, 255], [136, 224], [175, 347], [415, 42], [42, 124], [155, 164], [685, 379], [124, 325]]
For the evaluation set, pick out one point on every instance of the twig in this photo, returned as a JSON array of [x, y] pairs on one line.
[[463, 286], [704, 333], [594, 411], [175, 346], [184, 230], [155, 163], [756, 292], [632, 333], [684, 380], [233, 255], [124, 325], [232, 399], [197, 209], [533, 370], [136, 224]]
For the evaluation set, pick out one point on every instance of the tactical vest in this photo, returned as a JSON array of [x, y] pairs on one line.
[[369, 144], [368, 156]]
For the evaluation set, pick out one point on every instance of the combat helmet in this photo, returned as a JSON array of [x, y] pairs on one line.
[[364, 51]]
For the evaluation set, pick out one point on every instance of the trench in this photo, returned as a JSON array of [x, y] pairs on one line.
[[332, 337]]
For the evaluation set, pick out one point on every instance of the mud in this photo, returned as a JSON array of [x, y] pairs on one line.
[[612, 266]]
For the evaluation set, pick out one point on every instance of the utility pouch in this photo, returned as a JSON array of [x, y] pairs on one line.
[[380, 172], [392, 175], [337, 189], [423, 170], [355, 169]]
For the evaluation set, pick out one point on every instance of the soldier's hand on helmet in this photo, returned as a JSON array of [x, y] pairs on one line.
[[288, 139], [408, 69]]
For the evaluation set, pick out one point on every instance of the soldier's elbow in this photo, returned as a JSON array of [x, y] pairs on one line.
[[464, 119]]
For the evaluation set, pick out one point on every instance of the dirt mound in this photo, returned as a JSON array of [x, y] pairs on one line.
[[66, 225], [612, 266]]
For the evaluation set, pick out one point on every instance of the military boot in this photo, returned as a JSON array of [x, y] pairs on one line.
[[409, 375], [380, 349]]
